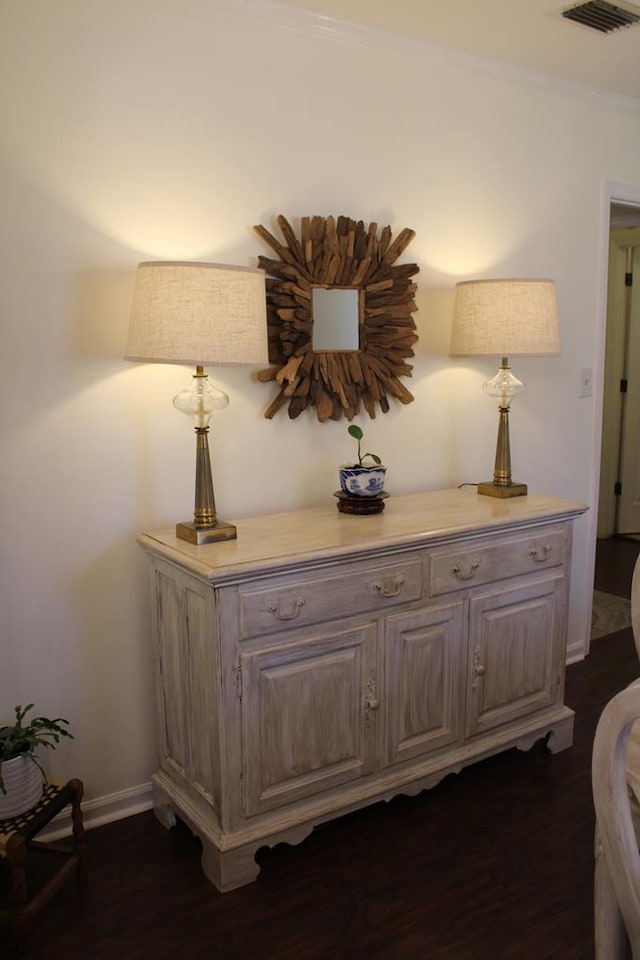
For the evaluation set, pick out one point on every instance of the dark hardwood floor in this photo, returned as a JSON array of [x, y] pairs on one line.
[[495, 863]]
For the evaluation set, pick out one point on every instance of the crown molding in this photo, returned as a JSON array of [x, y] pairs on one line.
[[281, 14]]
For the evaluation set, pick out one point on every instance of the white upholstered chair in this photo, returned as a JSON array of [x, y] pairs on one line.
[[616, 794]]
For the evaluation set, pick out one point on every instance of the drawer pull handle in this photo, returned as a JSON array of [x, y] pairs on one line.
[[389, 587], [542, 554], [469, 574], [298, 604]]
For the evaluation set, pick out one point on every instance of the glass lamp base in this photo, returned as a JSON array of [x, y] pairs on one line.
[[502, 490], [200, 535]]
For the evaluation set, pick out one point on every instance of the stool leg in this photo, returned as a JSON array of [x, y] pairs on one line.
[[79, 843], [16, 851]]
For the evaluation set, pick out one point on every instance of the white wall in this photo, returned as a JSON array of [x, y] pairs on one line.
[[166, 129]]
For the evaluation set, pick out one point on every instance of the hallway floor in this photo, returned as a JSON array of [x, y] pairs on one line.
[[615, 560]]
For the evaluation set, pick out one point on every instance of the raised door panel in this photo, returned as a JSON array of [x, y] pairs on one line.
[[423, 695], [187, 683], [307, 720], [201, 704], [172, 687], [515, 652]]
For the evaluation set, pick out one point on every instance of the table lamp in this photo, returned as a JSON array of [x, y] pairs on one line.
[[504, 318], [200, 314]]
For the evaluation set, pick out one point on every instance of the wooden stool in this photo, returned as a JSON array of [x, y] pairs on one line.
[[17, 837]]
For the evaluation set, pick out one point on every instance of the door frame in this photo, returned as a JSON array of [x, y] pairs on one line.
[[615, 369], [612, 192]]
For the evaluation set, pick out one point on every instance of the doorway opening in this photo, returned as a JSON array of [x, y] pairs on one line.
[[618, 523], [619, 497]]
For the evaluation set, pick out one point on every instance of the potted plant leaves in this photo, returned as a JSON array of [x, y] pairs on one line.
[[21, 775], [362, 479]]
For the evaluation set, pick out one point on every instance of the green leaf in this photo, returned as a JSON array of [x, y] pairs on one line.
[[355, 431]]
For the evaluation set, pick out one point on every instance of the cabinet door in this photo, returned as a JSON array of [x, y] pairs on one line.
[[186, 682], [307, 716], [516, 651], [423, 681]]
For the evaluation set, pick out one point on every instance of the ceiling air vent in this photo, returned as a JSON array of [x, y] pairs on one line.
[[601, 15]]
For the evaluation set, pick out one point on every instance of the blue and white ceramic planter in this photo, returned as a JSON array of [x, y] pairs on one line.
[[362, 481]]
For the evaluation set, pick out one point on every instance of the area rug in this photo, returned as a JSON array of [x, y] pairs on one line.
[[609, 614]]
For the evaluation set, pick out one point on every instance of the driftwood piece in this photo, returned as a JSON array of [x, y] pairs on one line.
[[338, 252], [296, 406], [265, 376], [290, 237], [274, 406], [399, 244], [324, 406], [290, 370]]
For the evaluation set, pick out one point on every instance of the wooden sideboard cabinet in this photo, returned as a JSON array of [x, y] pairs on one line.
[[322, 661]]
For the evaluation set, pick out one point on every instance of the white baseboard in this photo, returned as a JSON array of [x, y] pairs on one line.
[[101, 810]]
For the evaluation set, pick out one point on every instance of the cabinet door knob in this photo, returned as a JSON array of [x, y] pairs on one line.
[[390, 586], [478, 668], [541, 554], [298, 604], [477, 673], [370, 700], [468, 574]]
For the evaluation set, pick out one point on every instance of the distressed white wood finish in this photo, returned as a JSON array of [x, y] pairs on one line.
[[617, 874], [303, 709], [511, 673], [424, 680], [321, 662], [616, 795]]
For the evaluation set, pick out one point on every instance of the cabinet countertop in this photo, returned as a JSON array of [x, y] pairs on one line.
[[271, 541]]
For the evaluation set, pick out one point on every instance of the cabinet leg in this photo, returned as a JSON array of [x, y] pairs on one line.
[[231, 869], [561, 737], [163, 808]]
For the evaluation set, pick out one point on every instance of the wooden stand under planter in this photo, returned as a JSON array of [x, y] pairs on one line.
[[360, 505], [17, 839]]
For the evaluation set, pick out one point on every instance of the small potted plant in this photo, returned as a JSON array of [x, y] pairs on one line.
[[21, 776], [360, 479]]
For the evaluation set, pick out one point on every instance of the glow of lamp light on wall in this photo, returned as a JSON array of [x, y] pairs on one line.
[[467, 239], [147, 214]]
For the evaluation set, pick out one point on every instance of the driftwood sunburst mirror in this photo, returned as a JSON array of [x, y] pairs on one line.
[[340, 317]]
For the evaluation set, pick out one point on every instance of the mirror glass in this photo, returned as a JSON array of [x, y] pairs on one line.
[[335, 319]]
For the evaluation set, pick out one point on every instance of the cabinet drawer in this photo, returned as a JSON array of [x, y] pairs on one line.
[[460, 567], [286, 603]]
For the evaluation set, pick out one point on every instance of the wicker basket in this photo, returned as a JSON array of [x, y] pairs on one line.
[[23, 783]]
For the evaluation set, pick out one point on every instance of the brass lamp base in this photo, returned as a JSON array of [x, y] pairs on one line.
[[200, 535], [200, 402], [491, 489], [502, 485]]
